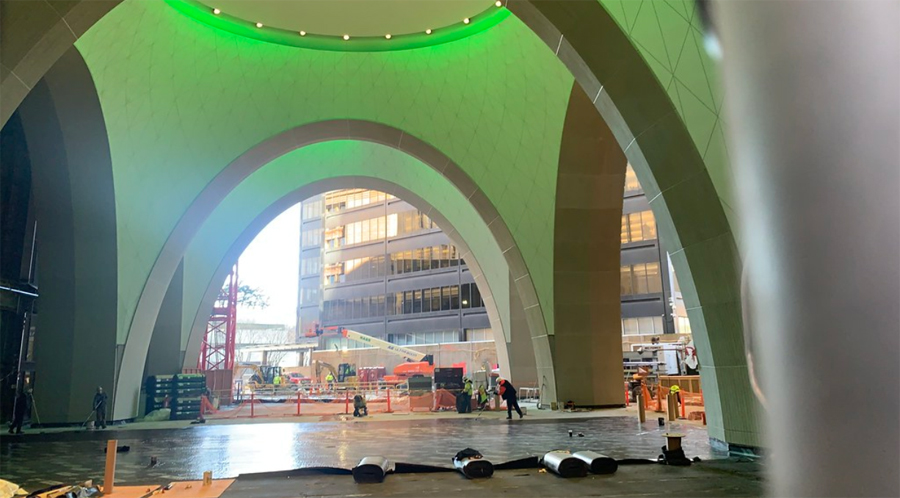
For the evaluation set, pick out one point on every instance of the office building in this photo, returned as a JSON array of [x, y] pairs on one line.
[[375, 264], [652, 304]]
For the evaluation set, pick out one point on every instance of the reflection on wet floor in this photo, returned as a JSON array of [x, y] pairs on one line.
[[230, 450]]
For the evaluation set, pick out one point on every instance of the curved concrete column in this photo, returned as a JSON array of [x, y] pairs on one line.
[[240, 243], [587, 344], [129, 380], [691, 219], [75, 210]]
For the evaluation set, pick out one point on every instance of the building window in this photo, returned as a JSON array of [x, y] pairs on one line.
[[417, 301], [638, 226], [625, 282], [454, 297], [311, 209], [445, 298], [354, 270], [409, 222], [645, 325], [477, 302], [426, 300], [400, 303], [311, 237], [479, 335], [309, 296], [436, 299], [424, 259], [424, 338], [311, 265], [340, 200], [640, 279], [631, 182], [358, 232]]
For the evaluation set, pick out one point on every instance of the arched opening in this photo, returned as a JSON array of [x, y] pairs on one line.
[[374, 264], [240, 178]]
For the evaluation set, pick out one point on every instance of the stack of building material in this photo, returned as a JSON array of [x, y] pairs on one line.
[[186, 394], [159, 387]]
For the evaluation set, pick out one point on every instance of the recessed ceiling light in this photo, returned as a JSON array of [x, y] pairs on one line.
[[428, 31], [498, 3], [303, 33], [466, 20], [259, 25], [217, 11], [388, 36], [346, 37]]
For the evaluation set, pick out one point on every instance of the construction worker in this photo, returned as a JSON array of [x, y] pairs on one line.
[[99, 405], [508, 393], [637, 382], [277, 380], [675, 391], [468, 391], [359, 406], [329, 379], [483, 399], [21, 408]]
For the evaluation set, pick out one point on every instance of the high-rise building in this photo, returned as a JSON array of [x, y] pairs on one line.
[[375, 264], [651, 299]]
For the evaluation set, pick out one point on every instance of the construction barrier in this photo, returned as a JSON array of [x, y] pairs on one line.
[[690, 404], [319, 400]]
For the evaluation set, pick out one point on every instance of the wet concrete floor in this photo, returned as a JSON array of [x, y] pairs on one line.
[[230, 450]]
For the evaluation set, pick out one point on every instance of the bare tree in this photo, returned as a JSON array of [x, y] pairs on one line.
[[250, 334]]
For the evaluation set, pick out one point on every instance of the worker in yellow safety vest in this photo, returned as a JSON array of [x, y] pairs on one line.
[[675, 391], [329, 379], [277, 380]]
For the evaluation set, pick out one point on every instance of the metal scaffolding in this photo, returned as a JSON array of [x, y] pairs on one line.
[[217, 350]]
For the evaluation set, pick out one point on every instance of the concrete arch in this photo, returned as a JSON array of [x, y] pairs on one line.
[[198, 328], [692, 223], [131, 368]]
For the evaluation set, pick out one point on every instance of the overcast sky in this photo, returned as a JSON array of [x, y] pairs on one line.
[[271, 264]]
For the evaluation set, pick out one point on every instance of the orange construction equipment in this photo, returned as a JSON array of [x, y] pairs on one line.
[[418, 363]]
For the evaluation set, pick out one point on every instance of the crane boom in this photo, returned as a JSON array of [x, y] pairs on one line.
[[387, 346]]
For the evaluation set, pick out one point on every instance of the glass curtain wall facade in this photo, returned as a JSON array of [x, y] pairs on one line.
[[651, 299], [375, 264]]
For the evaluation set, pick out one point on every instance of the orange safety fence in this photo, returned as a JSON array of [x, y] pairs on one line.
[[323, 402], [690, 404]]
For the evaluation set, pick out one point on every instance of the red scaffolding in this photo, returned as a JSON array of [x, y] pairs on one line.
[[217, 350]]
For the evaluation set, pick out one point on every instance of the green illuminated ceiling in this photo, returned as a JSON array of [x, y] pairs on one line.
[[477, 23], [182, 99]]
